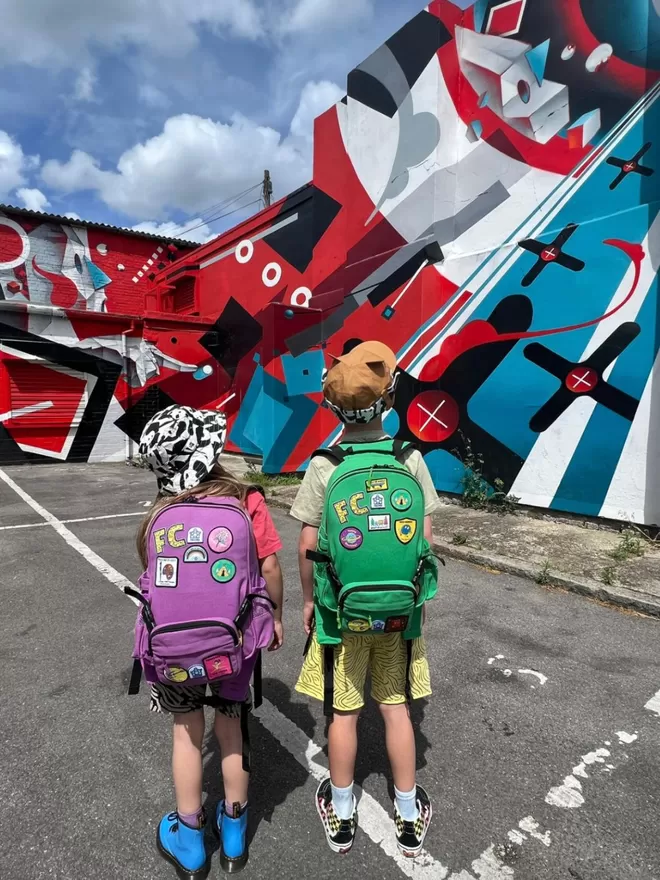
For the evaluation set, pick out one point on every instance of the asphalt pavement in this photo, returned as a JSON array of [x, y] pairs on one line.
[[536, 748]]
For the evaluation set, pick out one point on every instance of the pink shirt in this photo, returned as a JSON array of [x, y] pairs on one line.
[[265, 534]]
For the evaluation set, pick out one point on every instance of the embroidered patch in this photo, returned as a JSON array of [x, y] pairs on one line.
[[378, 501], [161, 536], [396, 624], [380, 522], [195, 535], [223, 571], [378, 625], [356, 507], [341, 509], [401, 499], [220, 540], [359, 626], [351, 539], [176, 674], [405, 529], [197, 672], [196, 554], [218, 667], [167, 571], [377, 485]]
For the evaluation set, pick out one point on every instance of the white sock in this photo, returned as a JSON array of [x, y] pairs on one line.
[[406, 802], [342, 801]]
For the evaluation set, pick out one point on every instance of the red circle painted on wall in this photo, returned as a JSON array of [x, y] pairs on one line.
[[582, 380], [11, 244], [549, 254], [433, 416]]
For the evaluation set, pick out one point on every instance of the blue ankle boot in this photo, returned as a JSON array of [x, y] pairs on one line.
[[183, 847], [231, 828]]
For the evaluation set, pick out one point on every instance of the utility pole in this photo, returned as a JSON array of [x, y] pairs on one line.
[[267, 191]]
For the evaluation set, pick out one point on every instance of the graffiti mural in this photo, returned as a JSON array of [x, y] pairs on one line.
[[72, 343], [485, 200]]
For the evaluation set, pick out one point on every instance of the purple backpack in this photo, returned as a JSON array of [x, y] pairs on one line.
[[205, 610]]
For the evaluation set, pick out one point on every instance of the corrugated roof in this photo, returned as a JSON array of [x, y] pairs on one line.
[[88, 224]]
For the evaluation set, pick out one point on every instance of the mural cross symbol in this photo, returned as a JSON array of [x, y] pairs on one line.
[[584, 379], [432, 417], [550, 253], [630, 166]]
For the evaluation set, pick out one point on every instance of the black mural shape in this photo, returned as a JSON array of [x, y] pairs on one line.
[[630, 166], [431, 254], [316, 211], [413, 47], [134, 420], [461, 380], [550, 253], [586, 377], [88, 430], [234, 335]]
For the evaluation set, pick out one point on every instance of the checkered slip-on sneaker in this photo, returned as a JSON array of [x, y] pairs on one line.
[[410, 835], [340, 833]]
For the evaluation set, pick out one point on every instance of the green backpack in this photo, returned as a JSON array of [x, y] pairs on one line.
[[374, 569]]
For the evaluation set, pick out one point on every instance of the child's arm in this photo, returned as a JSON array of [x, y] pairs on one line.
[[308, 541], [428, 529], [272, 574]]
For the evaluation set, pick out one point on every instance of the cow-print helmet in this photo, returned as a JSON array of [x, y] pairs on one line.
[[181, 445]]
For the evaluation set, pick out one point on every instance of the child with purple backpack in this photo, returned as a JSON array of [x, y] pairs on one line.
[[210, 600]]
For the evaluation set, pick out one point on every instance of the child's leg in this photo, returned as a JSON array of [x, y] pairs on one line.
[[400, 744], [342, 747], [230, 739], [188, 735]]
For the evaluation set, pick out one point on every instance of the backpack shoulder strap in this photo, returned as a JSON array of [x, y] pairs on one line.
[[400, 448], [335, 453]]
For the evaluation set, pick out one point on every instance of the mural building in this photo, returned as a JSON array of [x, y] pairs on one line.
[[485, 200]]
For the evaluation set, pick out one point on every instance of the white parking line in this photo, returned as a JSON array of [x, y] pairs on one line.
[[86, 552], [67, 522], [374, 820]]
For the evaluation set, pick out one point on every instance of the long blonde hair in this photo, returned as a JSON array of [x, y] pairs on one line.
[[219, 484]]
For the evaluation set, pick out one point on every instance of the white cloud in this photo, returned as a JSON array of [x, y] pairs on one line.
[[13, 164], [72, 215], [193, 230], [84, 86], [33, 199], [314, 15], [60, 33], [196, 162], [315, 99]]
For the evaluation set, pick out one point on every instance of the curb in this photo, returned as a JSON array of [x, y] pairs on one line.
[[620, 596]]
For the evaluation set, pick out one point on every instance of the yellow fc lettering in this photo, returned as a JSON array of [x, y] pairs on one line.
[[172, 539], [159, 540], [355, 504], [342, 511]]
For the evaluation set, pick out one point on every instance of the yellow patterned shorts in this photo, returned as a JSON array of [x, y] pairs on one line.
[[384, 655]]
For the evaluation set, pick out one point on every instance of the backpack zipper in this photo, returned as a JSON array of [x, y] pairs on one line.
[[373, 589], [195, 624]]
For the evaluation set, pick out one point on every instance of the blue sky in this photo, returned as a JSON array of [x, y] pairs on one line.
[[149, 112]]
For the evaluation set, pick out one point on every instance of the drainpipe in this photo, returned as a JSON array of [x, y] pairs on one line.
[[128, 440]]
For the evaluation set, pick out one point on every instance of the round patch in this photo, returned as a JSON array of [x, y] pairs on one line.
[[359, 626], [351, 539], [223, 571], [176, 674], [401, 499], [220, 540]]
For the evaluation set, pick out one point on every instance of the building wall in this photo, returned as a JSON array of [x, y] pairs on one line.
[[74, 351], [485, 201]]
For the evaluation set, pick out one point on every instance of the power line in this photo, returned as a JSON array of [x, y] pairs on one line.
[[205, 218], [220, 217]]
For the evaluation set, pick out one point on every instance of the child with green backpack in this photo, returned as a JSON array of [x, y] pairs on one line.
[[366, 569]]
